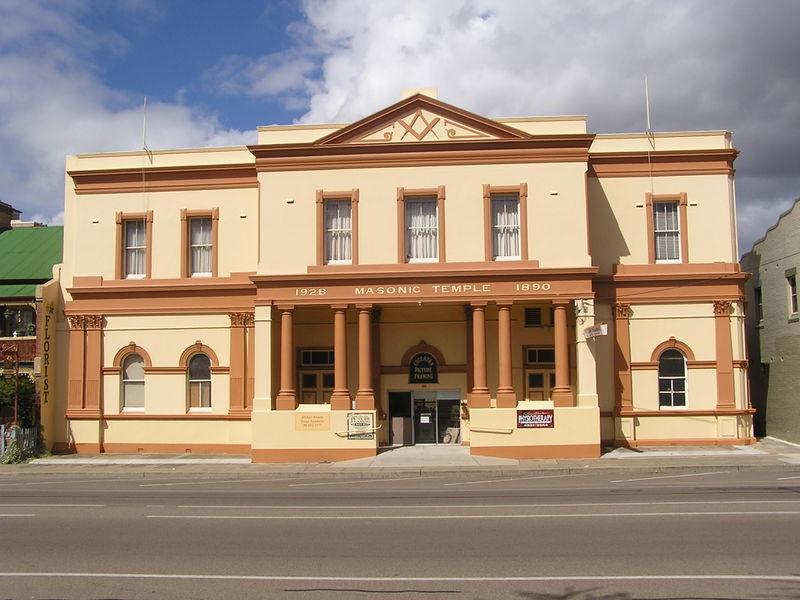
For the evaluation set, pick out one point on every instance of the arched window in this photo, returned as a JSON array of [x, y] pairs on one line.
[[133, 383], [671, 379], [199, 382]]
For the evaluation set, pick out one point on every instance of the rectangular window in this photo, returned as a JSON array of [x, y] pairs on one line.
[[338, 231], [316, 358], [135, 251], [422, 230], [791, 281], [316, 387], [667, 232], [505, 227], [539, 356], [759, 304], [200, 246]]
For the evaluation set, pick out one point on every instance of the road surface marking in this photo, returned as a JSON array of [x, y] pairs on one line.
[[514, 479], [360, 481], [670, 476], [451, 517], [212, 481], [785, 478], [5, 485], [19, 515], [788, 578], [28, 504], [449, 506]]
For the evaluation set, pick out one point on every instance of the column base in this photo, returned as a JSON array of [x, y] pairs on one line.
[[562, 397], [479, 398], [286, 400], [365, 400], [340, 400], [506, 398]]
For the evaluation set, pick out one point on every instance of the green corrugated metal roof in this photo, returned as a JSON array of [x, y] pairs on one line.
[[17, 290], [29, 253]]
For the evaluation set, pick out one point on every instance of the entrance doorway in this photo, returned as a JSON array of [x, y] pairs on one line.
[[425, 417]]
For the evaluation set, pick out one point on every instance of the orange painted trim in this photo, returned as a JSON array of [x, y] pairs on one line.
[[402, 195], [686, 413], [440, 224], [190, 416], [524, 452], [539, 149], [83, 414], [747, 441], [422, 347], [467, 268], [126, 351], [522, 194], [683, 219], [694, 364], [401, 226], [662, 163], [189, 448], [724, 350], [309, 455], [121, 218], [321, 197], [390, 114], [164, 179], [623, 384], [672, 343], [186, 217], [197, 348], [165, 370]]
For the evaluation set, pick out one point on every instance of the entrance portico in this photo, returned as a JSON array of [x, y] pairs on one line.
[[491, 381]]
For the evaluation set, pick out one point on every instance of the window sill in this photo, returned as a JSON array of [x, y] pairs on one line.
[[201, 275], [421, 261], [678, 408], [505, 258], [127, 410], [200, 410], [134, 276], [793, 318]]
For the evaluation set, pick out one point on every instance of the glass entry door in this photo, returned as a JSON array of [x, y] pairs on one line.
[[425, 418]]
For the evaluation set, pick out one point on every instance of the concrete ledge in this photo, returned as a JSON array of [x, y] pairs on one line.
[[566, 451], [309, 455], [686, 442]]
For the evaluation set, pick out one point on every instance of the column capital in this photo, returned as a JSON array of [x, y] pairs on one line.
[[562, 302], [340, 306], [285, 307], [476, 305], [504, 303], [722, 308], [364, 306], [622, 310]]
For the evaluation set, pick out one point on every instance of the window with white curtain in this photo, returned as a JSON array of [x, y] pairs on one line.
[[505, 227], [422, 230], [338, 231], [199, 382], [133, 383], [667, 231], [135, 249], [200, 246]]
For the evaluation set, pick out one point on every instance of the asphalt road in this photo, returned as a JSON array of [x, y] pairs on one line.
[[712, 533]]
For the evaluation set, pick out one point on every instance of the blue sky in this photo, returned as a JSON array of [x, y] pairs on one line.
[[73, 74]]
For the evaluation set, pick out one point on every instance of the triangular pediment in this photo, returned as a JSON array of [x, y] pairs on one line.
[[420, 118]]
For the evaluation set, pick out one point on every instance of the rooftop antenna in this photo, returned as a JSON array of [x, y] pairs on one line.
[[651, 137]]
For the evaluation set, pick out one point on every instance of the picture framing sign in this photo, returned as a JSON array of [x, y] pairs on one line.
[[536, 419], [423, 368], [361, 426]]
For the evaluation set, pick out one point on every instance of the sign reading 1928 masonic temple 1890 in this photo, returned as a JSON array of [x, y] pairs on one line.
[[423, 368]]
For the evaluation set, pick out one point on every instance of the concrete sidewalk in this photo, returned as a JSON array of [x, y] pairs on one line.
[[767, 453]]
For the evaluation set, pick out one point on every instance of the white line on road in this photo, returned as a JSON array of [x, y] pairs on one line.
[[66, 480], [451, 506], [28, 504], [670, 476], [19, 515], [213, 481], [359, 481], [788, 578], [784, 478], [514, 479], [443, 517]]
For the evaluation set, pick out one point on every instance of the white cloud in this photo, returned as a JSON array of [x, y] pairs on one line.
[[54, 103], [716, 64]]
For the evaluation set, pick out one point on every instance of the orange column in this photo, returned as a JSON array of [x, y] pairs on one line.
[[622, 358], [237, 363], [506, 398], [287, 398], [365, 397], [479, 398], [94, 365], [250, 362], [76, 363], [562, 394], [724, 349], [340, 399]]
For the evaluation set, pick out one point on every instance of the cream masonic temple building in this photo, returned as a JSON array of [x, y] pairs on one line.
[[422, 276]]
